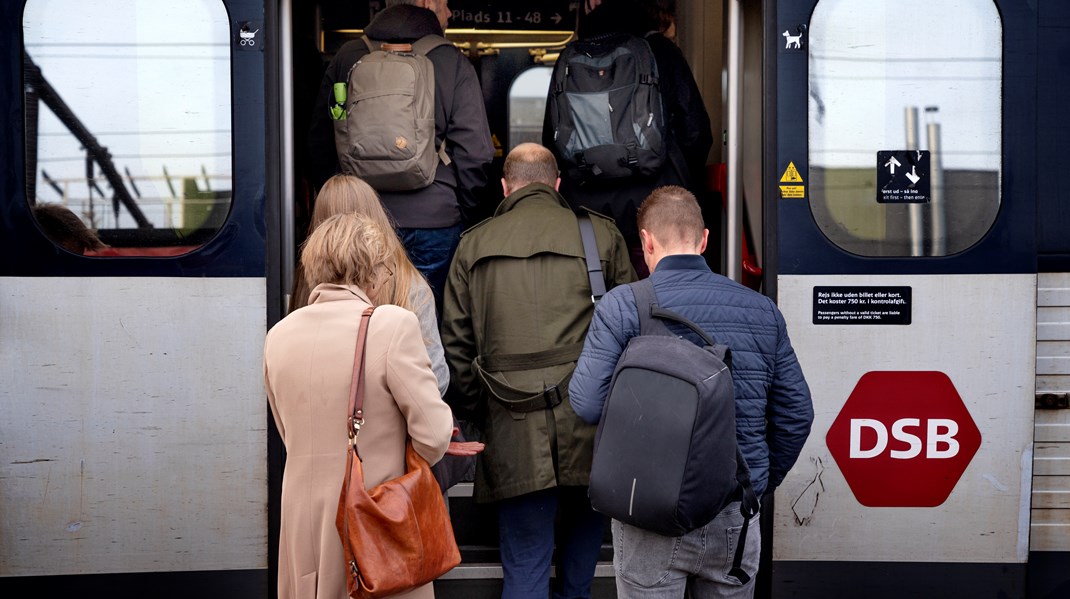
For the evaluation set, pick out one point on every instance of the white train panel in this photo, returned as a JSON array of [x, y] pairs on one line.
[[960, 326], [133, 436]]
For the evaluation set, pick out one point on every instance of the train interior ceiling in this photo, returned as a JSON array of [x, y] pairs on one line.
[[513, 47]]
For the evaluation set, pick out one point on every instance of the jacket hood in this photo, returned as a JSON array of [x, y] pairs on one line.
[[617, 17], [403, 23]]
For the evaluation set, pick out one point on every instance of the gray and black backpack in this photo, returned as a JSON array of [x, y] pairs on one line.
[[384, 116], [665, 454], [606, 109]]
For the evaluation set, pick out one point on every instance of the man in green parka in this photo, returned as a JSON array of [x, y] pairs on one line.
[[517, 305]]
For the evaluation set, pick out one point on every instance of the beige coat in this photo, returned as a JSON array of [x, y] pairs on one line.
[[308, 362]]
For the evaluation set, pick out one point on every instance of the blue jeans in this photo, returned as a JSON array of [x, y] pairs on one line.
[[526, 533], [651, 566], [431, 251]]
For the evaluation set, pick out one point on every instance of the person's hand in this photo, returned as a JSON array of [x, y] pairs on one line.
[[464, 448]]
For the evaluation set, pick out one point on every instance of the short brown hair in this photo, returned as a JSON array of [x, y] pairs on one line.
[[65, 228], [345, 249], [529, 163], [672, 214]]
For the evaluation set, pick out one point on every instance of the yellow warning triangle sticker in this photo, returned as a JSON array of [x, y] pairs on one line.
[[497, 146], [791, 174]]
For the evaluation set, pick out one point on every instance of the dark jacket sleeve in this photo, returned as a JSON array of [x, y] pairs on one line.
[[789, 410], [322, 156], [688, 119], [468, 141]]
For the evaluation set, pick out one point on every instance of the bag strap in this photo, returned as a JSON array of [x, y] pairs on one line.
[[356, 385], [429, 42], [748, 508], [590, 253], [651, 314]]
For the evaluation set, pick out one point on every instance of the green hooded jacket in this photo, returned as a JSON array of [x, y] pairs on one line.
[[516, 310]]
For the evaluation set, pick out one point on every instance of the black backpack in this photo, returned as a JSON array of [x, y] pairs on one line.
[[665, 454], [606, 110]]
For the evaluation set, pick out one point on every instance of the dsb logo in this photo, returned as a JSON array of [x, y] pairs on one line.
[[903, 439], [939, 443]]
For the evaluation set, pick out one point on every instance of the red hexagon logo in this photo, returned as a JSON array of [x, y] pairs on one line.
[[903, 439]]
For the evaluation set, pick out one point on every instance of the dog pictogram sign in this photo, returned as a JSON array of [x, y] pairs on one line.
[[903, 439]]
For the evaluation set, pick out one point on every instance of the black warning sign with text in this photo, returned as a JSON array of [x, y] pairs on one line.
[[523, 15], [509, 15], [862, 305], [903, 177]]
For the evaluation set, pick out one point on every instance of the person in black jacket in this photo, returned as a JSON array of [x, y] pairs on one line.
[[429, 220], [689, 138]]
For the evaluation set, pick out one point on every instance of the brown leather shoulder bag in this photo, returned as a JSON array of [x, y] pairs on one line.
[[397, 536]]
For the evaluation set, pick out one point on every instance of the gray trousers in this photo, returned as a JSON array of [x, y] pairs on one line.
[[652, 566]]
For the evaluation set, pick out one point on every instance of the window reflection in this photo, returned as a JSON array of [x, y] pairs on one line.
[[527, 106], [128, 119], [888, 77]]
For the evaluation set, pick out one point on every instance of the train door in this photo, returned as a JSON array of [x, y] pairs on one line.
[[133, 298], [900, 178], [512, 47]]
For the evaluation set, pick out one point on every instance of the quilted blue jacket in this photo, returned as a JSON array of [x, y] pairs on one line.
[[773, 407]]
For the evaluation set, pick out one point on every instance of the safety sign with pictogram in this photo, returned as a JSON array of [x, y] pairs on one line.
[[903, 177], [791, 183], [903, 439]]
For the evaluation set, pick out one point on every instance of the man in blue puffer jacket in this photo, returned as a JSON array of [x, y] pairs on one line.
[[773, 407]]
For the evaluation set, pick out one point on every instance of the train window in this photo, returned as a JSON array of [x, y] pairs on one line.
[[527, 105], [128, 126], [904, 124]]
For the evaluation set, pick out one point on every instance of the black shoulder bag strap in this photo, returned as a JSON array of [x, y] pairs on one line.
[[651, 317], [590, 252]]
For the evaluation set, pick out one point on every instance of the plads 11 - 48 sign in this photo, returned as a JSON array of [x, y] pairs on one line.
[[903, 439]]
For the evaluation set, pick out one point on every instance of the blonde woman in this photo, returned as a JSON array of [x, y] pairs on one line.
[[403, 286], [308, 365]]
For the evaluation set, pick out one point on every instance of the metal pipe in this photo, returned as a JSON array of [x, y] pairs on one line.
[[917, 227], [938, 212], [99, 153], [286, 212], [33, 106], [734, 201]]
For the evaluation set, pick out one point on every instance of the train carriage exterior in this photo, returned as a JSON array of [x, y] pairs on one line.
[[892, 174]]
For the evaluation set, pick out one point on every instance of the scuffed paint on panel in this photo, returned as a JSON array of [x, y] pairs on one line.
[[134, 434]]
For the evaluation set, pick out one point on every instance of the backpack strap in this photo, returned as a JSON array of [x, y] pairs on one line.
[[748, 508], [590, 253], [645, 302], [429, 42], [651, 314]]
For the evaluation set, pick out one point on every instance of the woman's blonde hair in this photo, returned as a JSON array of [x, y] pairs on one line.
[[346, 249], [343, 194]]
